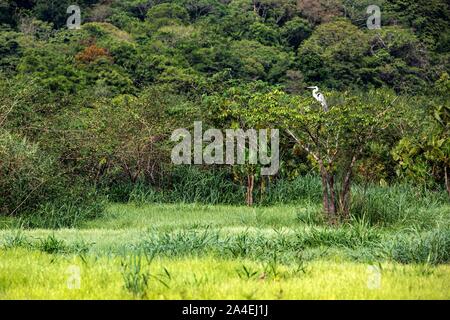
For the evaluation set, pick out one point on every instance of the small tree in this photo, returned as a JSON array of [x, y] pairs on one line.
[[232, 109], [334, 140]]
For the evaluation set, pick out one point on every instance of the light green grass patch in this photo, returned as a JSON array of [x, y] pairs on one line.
[[36, 275]]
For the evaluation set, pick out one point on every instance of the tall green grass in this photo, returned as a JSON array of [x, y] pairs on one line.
[[432, 247], [186, 185], [283, 246], [398, 204], [69, 210]]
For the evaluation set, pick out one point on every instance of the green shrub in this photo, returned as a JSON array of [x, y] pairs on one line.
[[76, 204], [35, 189], [26, 175]]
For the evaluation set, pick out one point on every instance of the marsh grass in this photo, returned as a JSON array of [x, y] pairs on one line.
[[432, 247], [66, 212], [355, 241], [135, 275], [212, 278], [49, 244], [394, 205], [16, 239], [400, 205], [129, 251]]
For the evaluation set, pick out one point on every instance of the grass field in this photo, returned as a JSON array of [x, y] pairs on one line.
[[220, 252]]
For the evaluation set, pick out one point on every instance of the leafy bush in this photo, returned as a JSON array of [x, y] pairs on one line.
[[26, 175], [35, 189], [70, 208]]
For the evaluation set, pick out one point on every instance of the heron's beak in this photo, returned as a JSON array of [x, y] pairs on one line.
[[310, 87]]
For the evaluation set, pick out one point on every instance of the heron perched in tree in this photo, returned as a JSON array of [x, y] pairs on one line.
[[319, 97]]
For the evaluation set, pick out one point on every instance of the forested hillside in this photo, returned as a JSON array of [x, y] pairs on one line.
[[87, 114]]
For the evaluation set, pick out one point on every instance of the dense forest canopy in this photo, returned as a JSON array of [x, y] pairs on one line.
[[279, 42], [96, 106]]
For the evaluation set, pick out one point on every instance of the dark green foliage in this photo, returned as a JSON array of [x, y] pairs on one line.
[[10, 50], [26, 175], [89, 112], [430, 19]]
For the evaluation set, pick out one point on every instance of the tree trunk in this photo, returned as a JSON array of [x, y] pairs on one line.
[[344, 198], [250, 187], [325, 199], [333, 211], [329, 194], [447, 180], [262, 189]]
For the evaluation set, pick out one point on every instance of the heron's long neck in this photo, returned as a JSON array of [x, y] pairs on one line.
[[316, 91]]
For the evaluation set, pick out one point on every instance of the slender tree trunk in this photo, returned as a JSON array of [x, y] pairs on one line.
[[447, 180], [262, 189], [250, 187], [344, 198], [325, 199], [329, 194], [332, 203]]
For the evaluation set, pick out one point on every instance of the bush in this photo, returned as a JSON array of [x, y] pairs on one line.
[[73, 206], [25, 175], [35, 189]]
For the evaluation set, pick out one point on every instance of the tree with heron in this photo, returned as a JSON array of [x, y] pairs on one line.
[[319, 97], [335, 140]]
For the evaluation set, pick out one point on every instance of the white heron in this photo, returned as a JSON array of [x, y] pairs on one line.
[[319, 97]]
